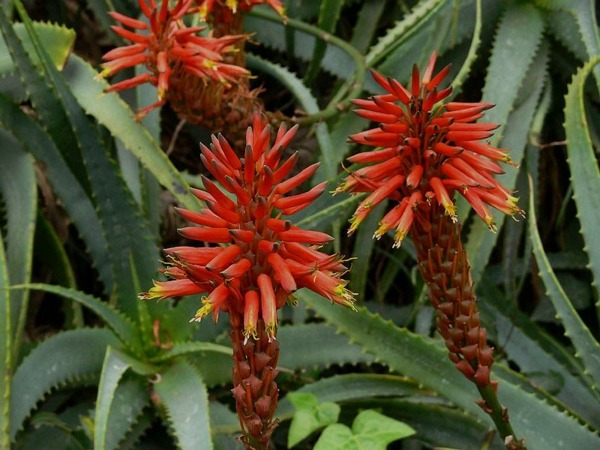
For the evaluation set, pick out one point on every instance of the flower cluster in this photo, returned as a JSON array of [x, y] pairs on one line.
[[225, 10], [428, 151], [264, 258], [257, 263], [180, 62]]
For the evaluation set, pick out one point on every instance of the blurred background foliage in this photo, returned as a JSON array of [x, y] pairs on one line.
[[87, 197]]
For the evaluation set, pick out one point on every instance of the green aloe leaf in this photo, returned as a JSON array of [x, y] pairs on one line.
[[58, 41], [73, 196], [542, 424], [585, 14], [321, 347], [480, 241], [310, 416], [583, 165], [356, 386], [186, 348], [184, 395], [19, 190], [403, 30], [130, 399], [329, 13], [69, 356], [113, 369], [38, 86], [5, 352], [370, 431], [112, 112], [536, 352], [366, 24], [363, 249], [128, 234], [123, 327], [116, 363], [465, 69], [587, 348]]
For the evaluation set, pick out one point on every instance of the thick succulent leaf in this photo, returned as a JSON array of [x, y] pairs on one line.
[[587, 348], [465, 69], [543, 425], [343, 388], [480, 241], [116, 363], [321, 347], [585, 176], [363, 248], [128, 234], [123, 327], [131, 397], [408, 353], [5, 352], [183, 393], [516, 44], [403, 30], [51, 252], [186, 348], [112, 112], [58, 41], [43, 98], [366, 24], [329, 13], [73, 196], [587, 25], [113, 369], [19, 190], [101, 8], [65, 357], [536, 353]]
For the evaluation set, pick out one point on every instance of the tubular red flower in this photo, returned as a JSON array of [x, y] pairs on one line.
[[259, 244]]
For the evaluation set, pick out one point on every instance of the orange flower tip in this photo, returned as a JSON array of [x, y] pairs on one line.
[[271, 330], [145, 296], [398, 238], [355, 221], [491, 223], [451, 211], [206, 309], [249, 332], [104, 74], [292, 300], [379, 232]]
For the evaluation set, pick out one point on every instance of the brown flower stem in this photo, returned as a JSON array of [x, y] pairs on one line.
[[255, 390], [445, 268]]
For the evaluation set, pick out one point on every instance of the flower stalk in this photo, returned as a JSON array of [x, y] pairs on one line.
[[426, 151], [252, 261]]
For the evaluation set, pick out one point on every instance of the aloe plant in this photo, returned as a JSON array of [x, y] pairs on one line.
[[85, 364]]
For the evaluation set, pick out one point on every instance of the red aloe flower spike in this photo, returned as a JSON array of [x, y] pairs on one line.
[[263, 261], [173, 54], [225, 10], [430, 151]]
